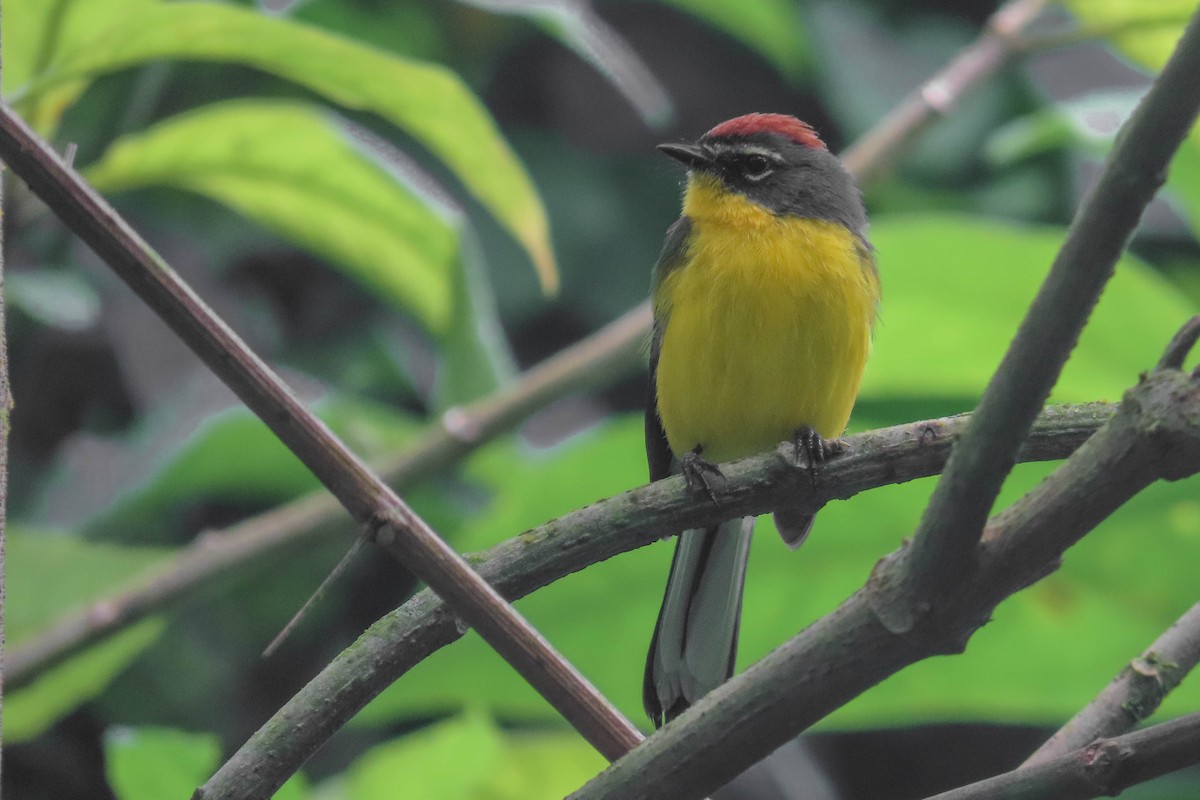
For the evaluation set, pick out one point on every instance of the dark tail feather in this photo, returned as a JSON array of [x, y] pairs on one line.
[[793, 526], [695, 639]]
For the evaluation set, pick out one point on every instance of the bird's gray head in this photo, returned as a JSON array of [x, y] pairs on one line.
[[778, 162]]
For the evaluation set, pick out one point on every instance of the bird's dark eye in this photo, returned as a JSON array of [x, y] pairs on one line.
[[757, 167]]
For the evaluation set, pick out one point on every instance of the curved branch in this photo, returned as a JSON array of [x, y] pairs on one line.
[[516, 567], [1154, 434], [1135, 693], [1101, 769]]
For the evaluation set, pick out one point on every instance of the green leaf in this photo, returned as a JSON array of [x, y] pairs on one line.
[[30, 710], [156, 763], [230, 455], [50, 575], [449, 761], [427, 101], [468, 758], [35, 32], [284, 165], [1146, 32], [773, 28], [60, 298], [955, 290]]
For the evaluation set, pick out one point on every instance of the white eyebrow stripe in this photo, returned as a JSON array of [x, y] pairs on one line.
[[745, 149]]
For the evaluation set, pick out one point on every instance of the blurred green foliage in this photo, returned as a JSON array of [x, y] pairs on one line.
[[336, 178]]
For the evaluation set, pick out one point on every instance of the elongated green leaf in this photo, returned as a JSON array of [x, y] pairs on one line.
[[427, 101], [36, 31], [284, 165]]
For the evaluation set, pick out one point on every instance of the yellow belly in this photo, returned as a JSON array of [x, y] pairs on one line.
[[765, 333]]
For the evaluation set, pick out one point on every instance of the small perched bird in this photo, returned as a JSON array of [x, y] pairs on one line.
[[764, 303]]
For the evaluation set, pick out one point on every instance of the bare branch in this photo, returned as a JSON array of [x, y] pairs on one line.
[[1154, 434], [403, 638], [944, 545], [1102, 769], [368, 499], [1134, 694]]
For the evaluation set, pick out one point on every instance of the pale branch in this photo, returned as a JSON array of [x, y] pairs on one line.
[[593, 362], [1000, 41], [369, 500], [1134, 694], [403, 638], [1101, 769], [944, 545], [1155, 434]]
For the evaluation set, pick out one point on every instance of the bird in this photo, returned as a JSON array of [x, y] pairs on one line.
[[764, 296]]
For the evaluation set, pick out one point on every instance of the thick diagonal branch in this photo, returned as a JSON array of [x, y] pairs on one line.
[[367, 498]]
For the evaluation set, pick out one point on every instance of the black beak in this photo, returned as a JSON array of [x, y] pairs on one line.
[[691, 155]]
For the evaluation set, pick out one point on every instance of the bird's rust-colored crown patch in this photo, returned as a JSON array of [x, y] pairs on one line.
[[783, 124]]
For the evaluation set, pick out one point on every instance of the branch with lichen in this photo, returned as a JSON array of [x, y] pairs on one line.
[[516, 567]]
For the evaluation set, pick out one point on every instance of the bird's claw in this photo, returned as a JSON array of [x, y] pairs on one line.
[[815, 450], [697, 473]]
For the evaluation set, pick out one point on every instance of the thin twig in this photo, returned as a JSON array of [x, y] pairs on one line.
[[516, 567], [593, 362], [943, 548], [1153, 435], [1001, 39], [369, 500], [1134, 694], [1101, 769]]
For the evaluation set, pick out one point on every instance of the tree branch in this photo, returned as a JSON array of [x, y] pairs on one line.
[[1102, 769], [369, 500], [613, 351], [403, 638], [1154, 434], [944, 545], [1134, 694]]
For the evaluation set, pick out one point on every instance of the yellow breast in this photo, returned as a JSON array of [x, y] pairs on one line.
[[767, 327]]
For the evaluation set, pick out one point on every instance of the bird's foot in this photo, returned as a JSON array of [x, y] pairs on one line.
[[698, 473], [815, 450]]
